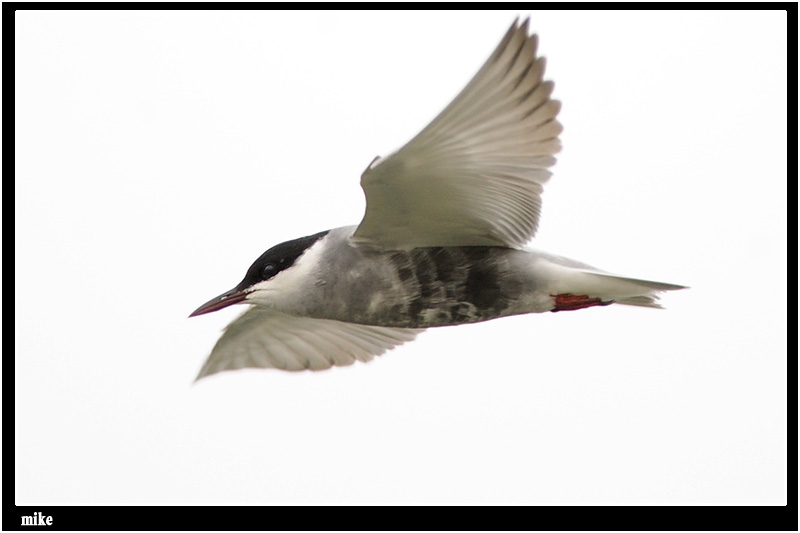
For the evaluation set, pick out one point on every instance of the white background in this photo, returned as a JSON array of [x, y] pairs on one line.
[[157, 154]]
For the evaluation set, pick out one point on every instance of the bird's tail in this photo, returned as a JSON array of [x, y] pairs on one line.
[[627, 291], [577, 285]]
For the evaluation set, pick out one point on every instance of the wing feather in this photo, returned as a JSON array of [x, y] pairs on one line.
[[474, 175], [260, 338]]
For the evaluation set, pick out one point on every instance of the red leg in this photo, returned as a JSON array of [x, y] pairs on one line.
[[571, 302]]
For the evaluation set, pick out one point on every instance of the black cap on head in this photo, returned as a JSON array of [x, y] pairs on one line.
[[274, 260], [278, 258]]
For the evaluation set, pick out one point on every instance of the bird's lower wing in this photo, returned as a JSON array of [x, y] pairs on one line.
[[260, 338]]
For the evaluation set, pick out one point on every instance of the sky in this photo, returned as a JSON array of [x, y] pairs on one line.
[[157, 154]]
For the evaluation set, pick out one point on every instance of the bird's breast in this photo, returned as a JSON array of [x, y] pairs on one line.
[[422, 287]]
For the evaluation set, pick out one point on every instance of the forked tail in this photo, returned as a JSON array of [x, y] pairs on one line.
[[579, 288], [631, 291]]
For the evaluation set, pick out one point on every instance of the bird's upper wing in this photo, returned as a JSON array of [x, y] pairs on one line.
[[260, 338], [474, 175]]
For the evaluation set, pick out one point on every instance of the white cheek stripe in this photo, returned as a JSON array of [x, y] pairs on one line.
[[288, 285]]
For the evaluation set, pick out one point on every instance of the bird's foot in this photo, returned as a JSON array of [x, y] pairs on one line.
[[572, 302]]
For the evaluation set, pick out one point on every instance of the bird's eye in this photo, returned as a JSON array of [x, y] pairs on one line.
[[268, 271]]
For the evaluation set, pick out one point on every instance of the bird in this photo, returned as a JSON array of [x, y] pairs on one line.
[[442, 241]]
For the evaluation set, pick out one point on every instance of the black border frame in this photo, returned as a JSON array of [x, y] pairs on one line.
[[600, 518]]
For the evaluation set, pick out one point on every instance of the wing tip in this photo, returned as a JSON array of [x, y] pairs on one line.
[[205, 372]]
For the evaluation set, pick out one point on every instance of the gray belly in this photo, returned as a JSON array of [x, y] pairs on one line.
[[424, 287]]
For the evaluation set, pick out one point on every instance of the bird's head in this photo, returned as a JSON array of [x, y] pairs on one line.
[[276, 268]]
